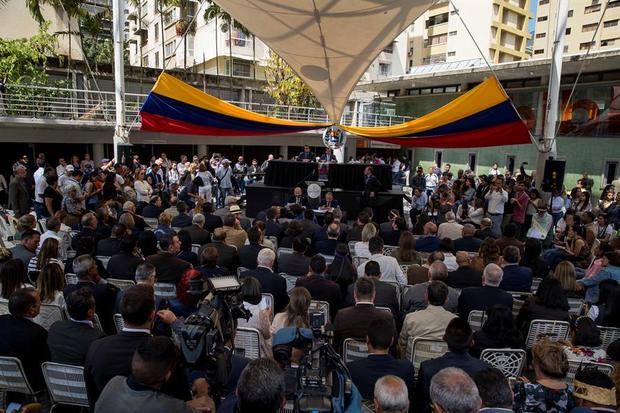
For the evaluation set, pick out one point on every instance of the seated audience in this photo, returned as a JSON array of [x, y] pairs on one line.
[[485, 297], [319, 287], [390, 269], [153, 209], [418, 274], [406, 253], [549, 303], [260, 314], [169, 266], [50, 284], [489, 253], [453, 390], [379, 363], [532, 258], [295, 313], [391, 395], [604, 313], [248, 253], [609, 271], [516, 277], [494, 390], [385, 293], [164, 226], [585, 342], [12, 278], [415, 298], [108, 247], [26, 249], [123, 264], [468, 242], [209, 267], [464, 276], [186, 252], [361, 247], [485, 230], [196, 231], [509, 237], [182, 220], [328, 246], [228, 257], [296, 263], [429, 242], [341, 270], [498, 331], [235, 235], [270, 282], [565, 273], [69, 340], [392, 235], [594, 392], [450, 229]]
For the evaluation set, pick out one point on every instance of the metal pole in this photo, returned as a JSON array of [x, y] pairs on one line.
[[120, 131], [547, 147]]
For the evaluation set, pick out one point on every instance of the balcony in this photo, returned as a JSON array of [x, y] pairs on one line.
[[57, 106]]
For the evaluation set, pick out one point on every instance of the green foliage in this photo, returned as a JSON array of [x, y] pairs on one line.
[[214, 11], [284, 86], [23, 61]]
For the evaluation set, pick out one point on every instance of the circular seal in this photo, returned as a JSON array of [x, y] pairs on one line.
[[334, 137]]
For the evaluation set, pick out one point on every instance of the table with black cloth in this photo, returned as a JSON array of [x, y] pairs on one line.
[[290, 173]]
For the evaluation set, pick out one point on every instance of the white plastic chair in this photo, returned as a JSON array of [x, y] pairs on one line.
[[247, 342], [509, 361], [328, 258], [196, 248], [575, 306], [535, 283], [104, 260], [551, 329], [389, 250], [291, 280], [420, 349], [119, 323], [66, 384], [4, 308], [151, 222], [574, 366], [353, 350], [121, 284], [241, 270], [516, 307], [166, 290], [476, 319], [13, 378], [608, 335], [282, 251], [71, 278], [321, 307], [49, 314]]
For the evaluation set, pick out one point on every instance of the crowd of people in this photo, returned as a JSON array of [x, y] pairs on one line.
[[471, 243]]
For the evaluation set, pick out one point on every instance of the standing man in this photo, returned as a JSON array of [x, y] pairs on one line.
[[18, 192], [519, 203], [224, 176], [371, 187], [418, 180], [496, 198], [240, 170]]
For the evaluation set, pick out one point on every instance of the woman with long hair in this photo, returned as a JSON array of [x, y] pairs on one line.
[[565, 273], [406, 253], [549, 303], [143, 189], [48, 254], [585, 342], [532, 258], [361, 247], [296, 312], [260, 313], [50, 284], [341, 270], [605, 311], [12, 278], [498, 331]]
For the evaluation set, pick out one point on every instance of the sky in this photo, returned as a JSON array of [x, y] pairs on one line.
[[532, 23]]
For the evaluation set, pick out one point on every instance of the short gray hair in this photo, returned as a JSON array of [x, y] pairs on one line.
[[454, 391], [450, 216], [266, 257], [438, 271], [392, 395], [492, 275], [198, 219], [144, 271], [83, 264], [230, 200]]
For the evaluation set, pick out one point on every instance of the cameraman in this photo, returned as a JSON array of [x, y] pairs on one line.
[[260, 389]]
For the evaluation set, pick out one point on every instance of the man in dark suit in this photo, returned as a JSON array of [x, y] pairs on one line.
[[468, 242], [249, 253], [464, 276], [385, 293], [228, 257], [355, 232], [429, 242], [306, 155], [311, 228], [372, 186], [485, 230], [296, 263], [379, 363], [328, 246], [89, 229], [196, 231], [298, 198], [516, 277], [111, 246], [485, 297], [123, 265], [104, 293], [212, 221], [459, 338], [353, 322], [169, 267], [111, 356], [182, 220], [153, 208], [69, 340], [272, 226], [320, 288], [22, 338], [269, 281], [392, 237], [329, 203]]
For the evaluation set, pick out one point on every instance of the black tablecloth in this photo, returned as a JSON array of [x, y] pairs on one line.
[[290, 173], [351, 176]]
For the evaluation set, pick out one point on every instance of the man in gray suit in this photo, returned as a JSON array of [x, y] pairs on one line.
[[415, 299], [296, 263]]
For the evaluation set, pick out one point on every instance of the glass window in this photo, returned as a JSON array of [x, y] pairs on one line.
[[542, 19], [592, 9]]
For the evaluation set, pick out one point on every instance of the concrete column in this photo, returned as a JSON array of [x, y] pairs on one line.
[[202, 149], [284, 151], [98, 153], [350, 149]]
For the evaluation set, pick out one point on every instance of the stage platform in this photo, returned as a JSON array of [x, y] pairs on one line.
[[260, 197]]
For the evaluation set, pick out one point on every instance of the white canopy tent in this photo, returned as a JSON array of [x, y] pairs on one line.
[[328, 43]]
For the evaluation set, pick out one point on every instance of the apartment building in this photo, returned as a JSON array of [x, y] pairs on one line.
[[158, 39], [581, 34]]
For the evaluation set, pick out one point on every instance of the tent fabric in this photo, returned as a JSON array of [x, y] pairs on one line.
[[328, 43], [483, 116]]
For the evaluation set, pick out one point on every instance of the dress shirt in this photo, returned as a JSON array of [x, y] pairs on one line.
[[87, 322], [420, 202], [137, 330], [496, 201], [390, 269], [40, 183]]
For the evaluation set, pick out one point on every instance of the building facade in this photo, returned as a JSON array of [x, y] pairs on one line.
[[581, 28]]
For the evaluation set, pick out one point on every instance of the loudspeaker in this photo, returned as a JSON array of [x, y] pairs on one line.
[[553, 177]]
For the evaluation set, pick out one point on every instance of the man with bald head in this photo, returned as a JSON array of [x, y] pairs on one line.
[[464, 276], [228, 255], [485, 229], [487, 296], [415, 299], [468, 242], [429, 242], [328, 246]]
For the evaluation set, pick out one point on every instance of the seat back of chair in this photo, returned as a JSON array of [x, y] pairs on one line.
[[321, 307], [121, 284], [196, 248], [389, 250], [608, 336], [119, 323], [166, 290], [420, 349], [328, 258], [12, 376], [283, 251], [151, 222], [65, 383], [49, 314], [247, 342], [516, 307], [575, 306], [509, 361], [535, 283], [104, 260], [575, 366], [291, 280], [353, 350], [4, 308], [476, 319], [241, 270], [551, 329], [71, 278]]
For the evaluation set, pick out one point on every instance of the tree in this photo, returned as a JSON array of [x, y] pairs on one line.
[[284, 86], [93, 45], [23, 61]]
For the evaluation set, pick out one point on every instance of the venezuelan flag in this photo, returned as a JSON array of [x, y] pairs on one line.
[[483, 116], [176, 107]]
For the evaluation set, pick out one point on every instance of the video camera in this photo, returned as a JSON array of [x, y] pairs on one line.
[[207, 330]]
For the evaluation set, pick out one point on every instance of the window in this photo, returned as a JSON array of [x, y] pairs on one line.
[[611, 23], [543, 2], [472, 160], [145, 61], [609, 42], [393, 93], [541, 35], [438, 19], [389, 48], [586, 45], [452, 33], [589, 27], [510, 163], [384, 69], [190, 45], [156, 59], [613, 4], [565, 48], [241, 68], [438, 158], [542, 19], [156, 32], [592, 9], [568, 30], [436, 40], [170, 17], [539, 51], [610, 172], [451, 54], [170, 48], [570, 13], [435, 58]]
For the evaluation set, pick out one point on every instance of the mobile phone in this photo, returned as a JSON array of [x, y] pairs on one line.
[[13, 408]]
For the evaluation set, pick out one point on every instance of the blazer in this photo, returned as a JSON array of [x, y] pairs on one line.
[[294, 264], [105, 301], [391, 237], [198, 235], [108, 247], [517, 278], [27, 341], [169, 268], [464, 277], [151, 211], [427, 244], [431, 323], [181, 221], [303, 201], [111, 356], [322, 289], [429, 368], [212, 222], [484, 234], [85, 232], [248, 254], [415, 299], [326, 247], [228, 256], [482, 298], [366, 372], [273, 229], [69, 341], [469, 244], [123, 266], [270, 283], [352, 322], [385, 296]]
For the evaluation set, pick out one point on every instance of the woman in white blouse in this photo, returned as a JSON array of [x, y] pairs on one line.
[[361, 247], [142, 187], [50, 284], [260, 313]]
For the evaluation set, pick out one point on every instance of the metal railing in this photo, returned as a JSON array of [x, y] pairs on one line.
[[81, 105]]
